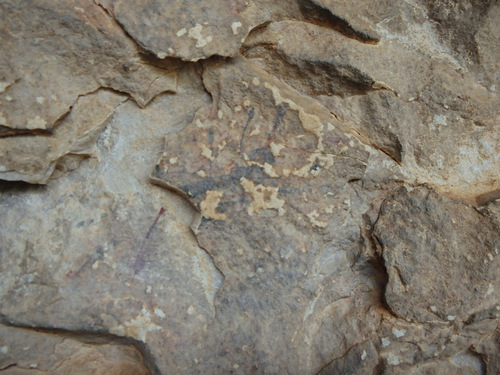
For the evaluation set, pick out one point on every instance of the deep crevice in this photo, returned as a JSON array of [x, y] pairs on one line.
[[92, 338], [316, 14], [348, 350]]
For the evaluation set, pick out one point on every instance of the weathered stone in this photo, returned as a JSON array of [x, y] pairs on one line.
[[187, 29], [488, 348], [440, 125], [301, 233], [192, 31], [441, 257], [84, 252], [56, 54], [272, 162], [24, 351], [36, 158], [362, 359]]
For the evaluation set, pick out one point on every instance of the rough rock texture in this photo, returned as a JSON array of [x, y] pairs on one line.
[[422, 241], [51, 55], [302, 187], [24, 351]]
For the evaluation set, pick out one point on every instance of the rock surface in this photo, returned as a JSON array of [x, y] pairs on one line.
[[304, 187], [24, 351]]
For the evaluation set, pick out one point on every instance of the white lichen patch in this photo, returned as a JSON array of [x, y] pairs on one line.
[[236, 26], [263, 197], [316, 163], [313, 218], [195, 33], [393, 360], [276, 149], [221, 146], [255, 81], [310, 122], [329, 209], [40, 99], [269, 170], [4, 85], [173, 160], [161, 55], [206, 152], [181, 32], [3, 120], [159, 313], [201, 173], [36, 123], [202, 124], [137, 328], [398, 332], [266, 167], [438, 121], [379, 85], [363, 355], [386, 341], [490, 290], [209, 205], [255, 131], [4, 350]]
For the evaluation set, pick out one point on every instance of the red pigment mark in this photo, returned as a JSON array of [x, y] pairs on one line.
[[235, 7], [140, 260]]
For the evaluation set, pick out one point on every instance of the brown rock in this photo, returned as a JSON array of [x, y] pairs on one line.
[[488, 348], [26, 351], [102, 263], [298, 152], [37, 158], [441, 257], [440, 125], [186, 29], [269, 169], [53, 55]]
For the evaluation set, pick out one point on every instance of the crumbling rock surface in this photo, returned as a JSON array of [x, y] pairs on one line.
[[302, 187]]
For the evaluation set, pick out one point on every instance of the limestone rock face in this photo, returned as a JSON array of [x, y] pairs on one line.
[[296, 187]]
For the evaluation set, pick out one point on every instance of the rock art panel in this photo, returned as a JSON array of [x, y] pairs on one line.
[[443, 134], [295, 187], [269, 170]]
